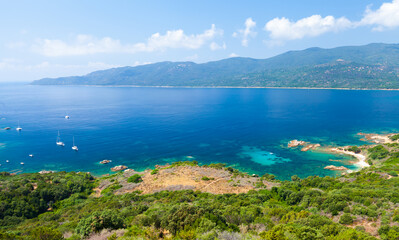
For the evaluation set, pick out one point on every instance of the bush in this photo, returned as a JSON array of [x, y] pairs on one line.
[[354, 149], [394, 137], [378, 152], [205, 178], [155, 171], [346, 218], [136, 178], [45, 233], [99, 220]]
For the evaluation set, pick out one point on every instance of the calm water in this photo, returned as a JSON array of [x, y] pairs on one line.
[[141, 127]]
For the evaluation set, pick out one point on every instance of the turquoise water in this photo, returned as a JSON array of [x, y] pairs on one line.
[[140, 127]]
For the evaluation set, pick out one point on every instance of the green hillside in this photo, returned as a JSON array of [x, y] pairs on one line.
[[370, 66]]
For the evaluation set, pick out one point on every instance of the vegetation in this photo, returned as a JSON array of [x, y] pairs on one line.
[[58, 205], [371, 66], [136, 178], [395, 137], [354, 149]]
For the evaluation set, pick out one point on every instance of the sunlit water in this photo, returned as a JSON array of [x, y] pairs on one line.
[[141, 127]]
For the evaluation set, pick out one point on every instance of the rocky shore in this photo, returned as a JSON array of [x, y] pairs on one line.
[[306, 146]]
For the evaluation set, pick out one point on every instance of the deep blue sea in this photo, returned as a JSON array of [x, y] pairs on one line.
[[141, 127]]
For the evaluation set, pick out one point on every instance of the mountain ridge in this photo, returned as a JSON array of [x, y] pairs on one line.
[[375, 65]]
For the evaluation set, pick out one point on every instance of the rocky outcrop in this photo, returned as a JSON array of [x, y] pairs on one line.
[[45, 172], [335, 168], [105, 161], [118, 168], [310, 146], [295, 143]]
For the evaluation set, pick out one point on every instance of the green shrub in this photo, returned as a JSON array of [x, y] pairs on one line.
[[354, 149], [136, 178], [205, 178], [97, 221], [378, 152], [45, 233], [346, 218], [394, 137], [155, 171]]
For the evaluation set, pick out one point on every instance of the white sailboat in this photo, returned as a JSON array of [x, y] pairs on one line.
[[74, 147], [18, 128], [67, 116], [59, 142]]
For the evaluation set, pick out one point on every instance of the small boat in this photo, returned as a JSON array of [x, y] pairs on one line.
[[7, 128], [22, 163], [59, 142], [67, 116], [7, 161], [74, 147], [18, 128], [31, 155]]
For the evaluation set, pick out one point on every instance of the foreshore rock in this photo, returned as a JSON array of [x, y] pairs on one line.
[[45, 172], [295, 143], [105, 161], [377, 138], [118, 168], [310, 146], [335, 168]]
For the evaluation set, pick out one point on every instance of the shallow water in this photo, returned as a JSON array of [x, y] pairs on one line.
[[141, 127]]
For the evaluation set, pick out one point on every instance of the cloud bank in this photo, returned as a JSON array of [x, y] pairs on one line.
[[283, 29], [87, 44]]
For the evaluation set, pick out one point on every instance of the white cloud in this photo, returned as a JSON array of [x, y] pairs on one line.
[[214, 46], [247, 32], [177, 39], [82, 45], [282, 29], [86, 44], [233, 55], [18, 65], [387, 16]]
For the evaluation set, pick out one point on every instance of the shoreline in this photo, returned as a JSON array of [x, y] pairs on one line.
[[219, 87], [360, 157]]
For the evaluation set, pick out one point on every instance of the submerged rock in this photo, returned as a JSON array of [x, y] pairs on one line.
[[310, 146]]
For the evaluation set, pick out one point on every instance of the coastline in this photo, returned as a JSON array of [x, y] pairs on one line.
[[360, 157], [219, 87]]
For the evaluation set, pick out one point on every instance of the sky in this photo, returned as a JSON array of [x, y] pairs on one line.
[[62, 38]]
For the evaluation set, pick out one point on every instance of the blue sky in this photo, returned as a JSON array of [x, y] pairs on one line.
[[61, 38]]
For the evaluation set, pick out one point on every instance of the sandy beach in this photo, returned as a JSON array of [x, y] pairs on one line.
[[360, 157]]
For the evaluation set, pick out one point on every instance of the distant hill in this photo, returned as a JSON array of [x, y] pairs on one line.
[[371, 66]]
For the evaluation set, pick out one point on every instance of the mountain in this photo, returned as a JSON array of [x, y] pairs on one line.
[[371, 66]]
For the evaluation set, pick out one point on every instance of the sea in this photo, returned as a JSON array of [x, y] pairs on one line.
[[141, 127]]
